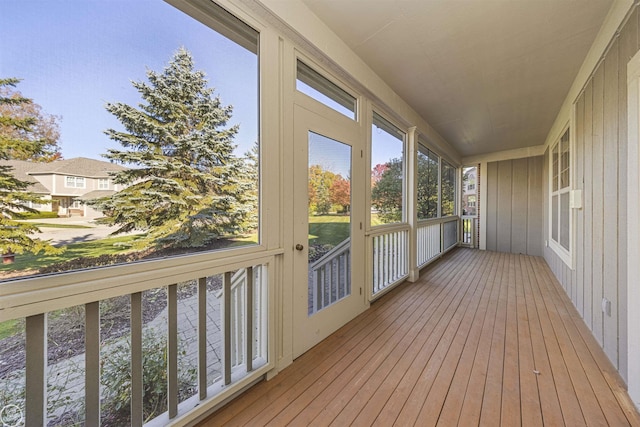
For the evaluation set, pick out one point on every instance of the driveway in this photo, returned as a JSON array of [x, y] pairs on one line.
[[65, 236]]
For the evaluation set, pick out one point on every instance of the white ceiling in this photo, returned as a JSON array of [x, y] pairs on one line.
[[488, 75]]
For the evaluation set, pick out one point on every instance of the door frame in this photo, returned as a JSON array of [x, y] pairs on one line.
[[310, 330]]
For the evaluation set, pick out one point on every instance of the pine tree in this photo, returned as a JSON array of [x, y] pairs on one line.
[[184, 186], [16, 141]]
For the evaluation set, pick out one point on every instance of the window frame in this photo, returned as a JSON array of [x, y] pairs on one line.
[[75, 179], [390, 127], [555, 177], [103, 183]]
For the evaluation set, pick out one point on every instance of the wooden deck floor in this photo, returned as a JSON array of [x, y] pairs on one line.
[[483, 338]]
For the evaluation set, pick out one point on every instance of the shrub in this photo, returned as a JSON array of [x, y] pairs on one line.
[[116, 379], [39, 215]]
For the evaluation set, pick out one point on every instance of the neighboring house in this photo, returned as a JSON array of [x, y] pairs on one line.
[[66, 184], [469, 194]]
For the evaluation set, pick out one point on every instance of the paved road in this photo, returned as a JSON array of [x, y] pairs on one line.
[[65, 236]]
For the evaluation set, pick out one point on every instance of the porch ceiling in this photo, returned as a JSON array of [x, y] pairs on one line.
[[488, 75]]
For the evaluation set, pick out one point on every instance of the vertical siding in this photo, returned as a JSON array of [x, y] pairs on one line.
[[515, 206], [504, 214], [627, 47], [492, 203], [610, 199], [600, 227], [535, 212], [598, 205]]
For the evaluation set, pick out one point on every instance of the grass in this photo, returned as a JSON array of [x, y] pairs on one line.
[[111, 245], [332, 229], [52, 225], [10, 328]]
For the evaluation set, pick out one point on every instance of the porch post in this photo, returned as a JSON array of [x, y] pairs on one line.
[[412, 202], [633, 229]]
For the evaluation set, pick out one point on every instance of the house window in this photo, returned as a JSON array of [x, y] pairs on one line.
[[103, 183], [311, 83], [387, 172], [448, 189], [560, 186], [428, 191], [74, 182], [471, 201]]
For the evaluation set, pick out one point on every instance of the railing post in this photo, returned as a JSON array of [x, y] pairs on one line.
[[202, 338], [36, 393], [92, 364], [412, 204], [137, 386]]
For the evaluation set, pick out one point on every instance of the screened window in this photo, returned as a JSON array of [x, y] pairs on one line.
[[170, 106], [428, 167], [311, 83], [387, 172], [560, 190], [448, 189]]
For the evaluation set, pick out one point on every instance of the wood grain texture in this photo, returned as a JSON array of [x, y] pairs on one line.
[[481, 338]]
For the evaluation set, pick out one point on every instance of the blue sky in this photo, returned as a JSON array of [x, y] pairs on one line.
[[73, 56]]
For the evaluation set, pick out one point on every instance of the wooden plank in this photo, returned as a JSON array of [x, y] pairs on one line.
[[366, 387], [550, 410], [461, 383], [627, 48], [598, 204], [570, 338], [472, 404], [492, 206], [573, 390], [610, 208], [504, 217], [519, 206], [408, 360], [528, 386], [510, 414], [587, 200], [321, 396], [491, 411], [535, 214], [578, 299]]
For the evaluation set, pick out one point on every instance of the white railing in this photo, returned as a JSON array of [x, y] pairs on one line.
[[429, 244], [212, 327], [468, 231], [449, 233], [390, 250], [330, 277]]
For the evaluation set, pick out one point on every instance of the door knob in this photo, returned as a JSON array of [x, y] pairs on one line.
[[299, 247]]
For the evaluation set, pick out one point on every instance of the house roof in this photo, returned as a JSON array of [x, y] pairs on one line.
[[21, 171], [78, 166], [96, 194]]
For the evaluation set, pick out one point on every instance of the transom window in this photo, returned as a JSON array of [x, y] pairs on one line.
[[311, 83]]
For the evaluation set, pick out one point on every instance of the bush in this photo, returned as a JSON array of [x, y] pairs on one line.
[[116, 380], [39, 215]]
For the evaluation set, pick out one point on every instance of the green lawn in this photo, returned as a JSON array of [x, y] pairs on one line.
[[53, 225], [10, 328], [76, 250], [332, 229]]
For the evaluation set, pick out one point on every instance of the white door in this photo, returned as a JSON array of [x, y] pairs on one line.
[[329, 255]]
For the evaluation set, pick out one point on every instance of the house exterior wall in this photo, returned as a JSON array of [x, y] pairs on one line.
[[514, 206], [597, 276]]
